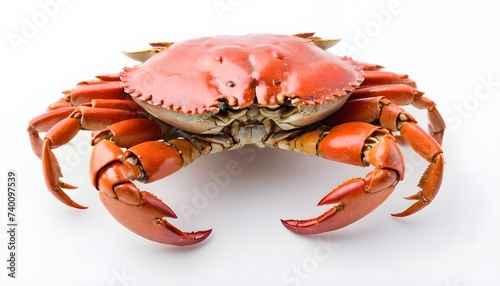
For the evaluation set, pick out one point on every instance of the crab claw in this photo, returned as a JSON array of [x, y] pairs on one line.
[[357, 197], [147, 220], [350, 202], [112, 172], [52, 173]]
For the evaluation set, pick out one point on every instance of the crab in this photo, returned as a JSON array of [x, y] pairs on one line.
[[207, 95]]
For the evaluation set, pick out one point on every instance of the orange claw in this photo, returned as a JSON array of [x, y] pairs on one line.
[[112, 171], [350, 196], [147, 220], [355, 198]]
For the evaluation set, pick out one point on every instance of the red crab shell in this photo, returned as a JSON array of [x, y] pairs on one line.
[[196, 77]]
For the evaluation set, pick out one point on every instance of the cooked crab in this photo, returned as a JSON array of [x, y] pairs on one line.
[[207, 95]]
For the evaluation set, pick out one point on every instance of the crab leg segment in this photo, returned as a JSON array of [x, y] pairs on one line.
[[52, 174], [61, 133], [358, 144], [401, 94], [401, 90], [91, 105], [112, 171], [44, 123], [430, 182], [125, 135], [94, 103]]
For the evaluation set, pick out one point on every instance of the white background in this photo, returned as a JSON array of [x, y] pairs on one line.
[[451, 49]]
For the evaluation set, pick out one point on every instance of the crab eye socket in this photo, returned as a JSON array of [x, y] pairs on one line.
[[230, 84], [276, 82]]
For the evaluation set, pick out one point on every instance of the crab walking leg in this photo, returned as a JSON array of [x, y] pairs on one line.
[[44, 123], [125, 135], [430, 182], [359, 144], [82, 103], [401, 94], [112, 171], [401, 90], [62, 124], [105, 87]]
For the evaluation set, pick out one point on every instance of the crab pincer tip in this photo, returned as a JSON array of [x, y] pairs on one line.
[[190, 238], [290, 224]]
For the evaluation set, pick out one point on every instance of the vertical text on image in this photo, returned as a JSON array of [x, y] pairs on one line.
[[12, 227]]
